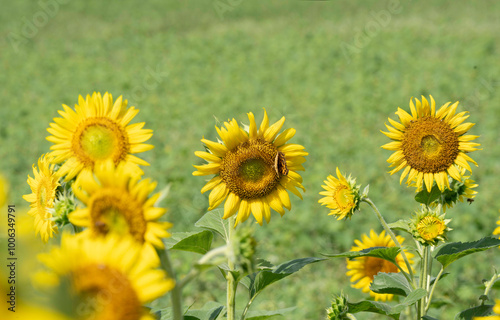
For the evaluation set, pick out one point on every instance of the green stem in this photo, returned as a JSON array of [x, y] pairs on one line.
[[490, 284], [244, 314], [393, 237], [434, 287], [423, 280], [350, 316], [231, 283], [176, 293]]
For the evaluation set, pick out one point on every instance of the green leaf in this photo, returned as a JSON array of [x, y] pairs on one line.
[[402, 225], [479, 311], [391, 283], [266, 315], [443, 275], [372, 306], [209, 311], [429, 318], [213, 221], [262, 279], [386, 253], [198, 242], [426, 197], [385, 309], [453, 251]]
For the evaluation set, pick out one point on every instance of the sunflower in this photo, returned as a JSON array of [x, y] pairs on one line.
[[458, 191], [253, 170], [362, 270], [4, 187], [497, 229], [97, 130], [43, 187], [428, 227], [117, 201], [111, 277], [341, 195], [430, 144], [496, 310]]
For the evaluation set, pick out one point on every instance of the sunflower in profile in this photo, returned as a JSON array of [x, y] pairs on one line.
[[362, 270], [110, 277], [95, 131], [43, 187], [341, 195], [118, 202], [253, 170], [459, 191], [430, 145]]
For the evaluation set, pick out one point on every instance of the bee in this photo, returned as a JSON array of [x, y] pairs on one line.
[[280, 164], [470, 200]]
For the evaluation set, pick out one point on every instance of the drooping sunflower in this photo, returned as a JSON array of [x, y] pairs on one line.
[[95, 131], [341, 195], [362, 270], [43, 187], [111, 277], [430, 145], [253, 170], [118, 202]]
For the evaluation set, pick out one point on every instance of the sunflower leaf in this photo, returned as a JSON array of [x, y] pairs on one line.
[[391, 283], [479, 311], [451, 252], [386, 253], [261, 279], [198, 242], [372, 306], [427, 197], [402, 225], [213, 221]]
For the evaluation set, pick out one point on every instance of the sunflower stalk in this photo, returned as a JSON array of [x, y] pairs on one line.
[[176, 293], [409, 276], [489, 284], [231, 282], [424, 273]]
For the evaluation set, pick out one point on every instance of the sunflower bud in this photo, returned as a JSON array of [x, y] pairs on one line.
[[339, 308], [428, 227], [63, 206], [245, 248]]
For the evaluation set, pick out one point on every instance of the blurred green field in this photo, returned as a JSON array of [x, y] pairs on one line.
[[187, 65]]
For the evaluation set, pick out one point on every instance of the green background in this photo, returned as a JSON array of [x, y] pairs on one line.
[[335, 69]]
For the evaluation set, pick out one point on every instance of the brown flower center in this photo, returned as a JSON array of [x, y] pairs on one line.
[[105, 294], [117, 211], [430, 145], [375, 265], [249, 169]]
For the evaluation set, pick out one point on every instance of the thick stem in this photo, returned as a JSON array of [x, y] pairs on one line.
[[231, 282], [393, 237], [423, 280], [176, 293]]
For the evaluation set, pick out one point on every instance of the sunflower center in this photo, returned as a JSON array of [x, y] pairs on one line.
[[248, 170], [98, 139], [115, 210], [106, 294], [430, 228], [343, 197], [430, 145], [375, 265]]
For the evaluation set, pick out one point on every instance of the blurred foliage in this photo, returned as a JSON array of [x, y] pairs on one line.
[[187, 66]]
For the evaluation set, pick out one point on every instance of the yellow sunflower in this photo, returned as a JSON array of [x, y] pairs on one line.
[[341, 195], [496, 310], [118, 202], [4, 187], [97, 130], [43, 187], [253, 170], [497, 229], [430, 145], [362, 270], [111, 277]]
